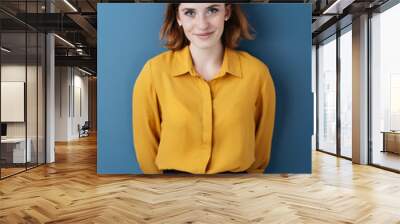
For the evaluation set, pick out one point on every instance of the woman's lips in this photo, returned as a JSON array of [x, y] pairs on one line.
[[204, 35]]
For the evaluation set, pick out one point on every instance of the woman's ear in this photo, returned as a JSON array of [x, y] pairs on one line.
[[178, 20], [228, 11]]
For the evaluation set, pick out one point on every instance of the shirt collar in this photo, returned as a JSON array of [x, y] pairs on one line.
[[182, 63]]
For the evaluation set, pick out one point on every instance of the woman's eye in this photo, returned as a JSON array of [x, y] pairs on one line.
[[189, 13], [212, 10]]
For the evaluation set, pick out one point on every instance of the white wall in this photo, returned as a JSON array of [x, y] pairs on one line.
[[71, 94], [81, 84], [62, 81]]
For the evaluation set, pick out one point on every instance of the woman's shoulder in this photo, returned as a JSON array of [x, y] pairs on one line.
[[252, 66], [162, 59], [167, 62], [249, 60]]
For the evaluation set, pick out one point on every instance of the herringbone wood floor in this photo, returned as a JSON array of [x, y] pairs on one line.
[[70, 191]]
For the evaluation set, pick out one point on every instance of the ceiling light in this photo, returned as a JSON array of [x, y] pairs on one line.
[[329, 9], [338, 6], [5, 50], [79, 51], [84, 71], [70, 5], [65, 41]]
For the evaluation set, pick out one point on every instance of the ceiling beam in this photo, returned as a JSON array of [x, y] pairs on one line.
[[85, 25], [83, 61]]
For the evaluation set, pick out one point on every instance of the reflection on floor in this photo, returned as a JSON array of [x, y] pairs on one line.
[[10, 169], [386, 159]]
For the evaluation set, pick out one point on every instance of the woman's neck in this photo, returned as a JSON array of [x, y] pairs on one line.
[[207, 62]]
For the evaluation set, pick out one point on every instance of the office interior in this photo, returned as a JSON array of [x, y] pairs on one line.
[[48, 77], [49, 74]]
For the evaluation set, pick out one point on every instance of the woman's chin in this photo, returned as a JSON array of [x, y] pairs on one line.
[[205, 44]]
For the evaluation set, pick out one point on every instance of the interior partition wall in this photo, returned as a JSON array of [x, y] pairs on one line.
[[22, 77], [334, 94]]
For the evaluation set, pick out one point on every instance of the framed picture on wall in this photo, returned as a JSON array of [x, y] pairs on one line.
[[12, 101]]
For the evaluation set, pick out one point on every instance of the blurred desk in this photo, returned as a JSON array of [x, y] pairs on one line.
[[13, 150], [391, 141]]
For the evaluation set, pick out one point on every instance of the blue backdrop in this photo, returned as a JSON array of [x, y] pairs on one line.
[[128, 37]]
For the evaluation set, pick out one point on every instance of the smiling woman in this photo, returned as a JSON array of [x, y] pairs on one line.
[[203, 107], [229, 20]]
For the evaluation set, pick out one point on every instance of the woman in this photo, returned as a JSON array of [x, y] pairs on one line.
[[203, 107]]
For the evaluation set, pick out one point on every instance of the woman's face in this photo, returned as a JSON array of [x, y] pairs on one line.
[[203, 23]]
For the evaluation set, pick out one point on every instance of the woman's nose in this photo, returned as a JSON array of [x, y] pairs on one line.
[[202, 22]]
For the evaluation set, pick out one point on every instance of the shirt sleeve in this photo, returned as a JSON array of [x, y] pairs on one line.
[[265, 119], [146, 121]]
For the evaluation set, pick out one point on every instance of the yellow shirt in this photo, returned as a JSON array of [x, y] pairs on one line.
[[183, 122]]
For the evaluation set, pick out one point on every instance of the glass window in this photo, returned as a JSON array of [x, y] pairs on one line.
[[31, 101], [41, 98], [327, 96], [346, 93], [15, 151], [314, 75], [22, 91], [385, 87]]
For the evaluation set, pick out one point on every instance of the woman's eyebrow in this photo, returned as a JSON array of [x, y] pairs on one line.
[[213, 6], [210, 6], [183, 9]]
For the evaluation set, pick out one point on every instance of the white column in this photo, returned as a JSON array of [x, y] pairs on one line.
[[50, 92], [50, 110], [360, 90]]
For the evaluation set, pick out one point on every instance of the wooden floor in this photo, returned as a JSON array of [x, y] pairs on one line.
[[70, 191]]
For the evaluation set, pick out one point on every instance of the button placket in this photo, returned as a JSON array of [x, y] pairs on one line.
[[207, 113]]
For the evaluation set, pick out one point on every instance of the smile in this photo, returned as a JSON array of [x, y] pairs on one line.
[[204, 35]]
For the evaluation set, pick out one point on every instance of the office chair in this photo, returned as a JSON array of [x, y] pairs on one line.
[[84, 130]]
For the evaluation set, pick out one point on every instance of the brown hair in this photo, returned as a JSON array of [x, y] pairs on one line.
[[236, 28]]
